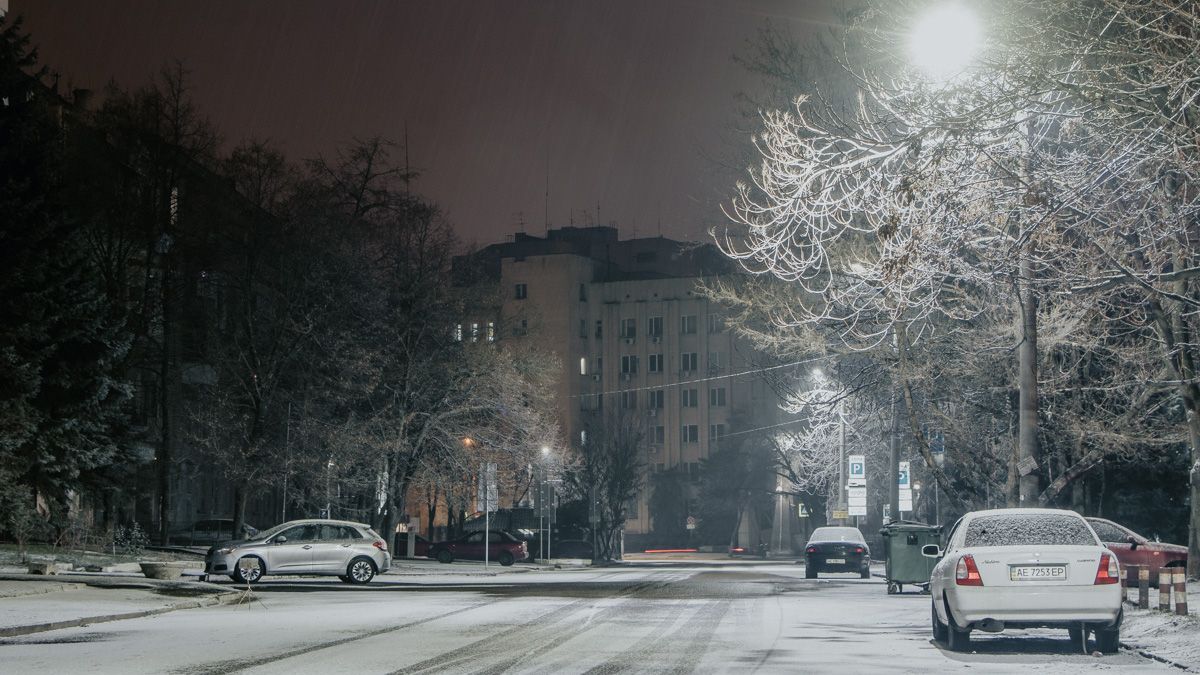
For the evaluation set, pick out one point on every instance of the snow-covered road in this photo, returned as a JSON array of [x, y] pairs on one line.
[[717, 618]]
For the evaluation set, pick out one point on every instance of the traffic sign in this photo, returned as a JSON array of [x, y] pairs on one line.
[[858, 501], [902, 476], [858, 510], [856, 492], [691, 522], [840, 515], [857, 474]]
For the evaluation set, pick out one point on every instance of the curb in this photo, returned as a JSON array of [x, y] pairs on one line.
[[17, 631], [1154, 657]]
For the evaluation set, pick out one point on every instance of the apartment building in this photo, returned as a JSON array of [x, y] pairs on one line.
[[631, 328]]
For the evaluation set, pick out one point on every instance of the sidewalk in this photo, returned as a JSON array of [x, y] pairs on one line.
[[33, 604], [1164, 635]]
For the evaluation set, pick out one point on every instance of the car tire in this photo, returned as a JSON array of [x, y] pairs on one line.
[[957, 639], [1108, 640], [360, 570], [1078, 638], [810, 571], [252, 577], [445, 557], [939, 629], [505, 558]]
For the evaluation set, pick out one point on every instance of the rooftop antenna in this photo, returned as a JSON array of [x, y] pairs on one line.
[[547, 215]]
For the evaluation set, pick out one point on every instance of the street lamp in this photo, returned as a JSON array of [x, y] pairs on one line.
[[945, 41]]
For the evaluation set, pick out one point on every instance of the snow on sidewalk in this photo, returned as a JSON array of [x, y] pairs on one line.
[[1166, 635]]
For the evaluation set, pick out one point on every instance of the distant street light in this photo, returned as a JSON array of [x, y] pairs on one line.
[[945, 41]]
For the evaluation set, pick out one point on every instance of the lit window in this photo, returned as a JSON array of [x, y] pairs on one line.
[[491, 331], [583, 365]]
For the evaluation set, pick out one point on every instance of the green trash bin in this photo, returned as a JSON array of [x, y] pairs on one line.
[[902, 542]]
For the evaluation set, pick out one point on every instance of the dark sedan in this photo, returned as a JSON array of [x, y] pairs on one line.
[[837, 549], [1134, 549], [501, 547]]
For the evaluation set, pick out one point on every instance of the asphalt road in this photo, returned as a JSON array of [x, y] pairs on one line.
[[736, 617]]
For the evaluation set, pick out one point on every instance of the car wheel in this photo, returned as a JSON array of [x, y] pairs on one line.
[[957, 639], [360, 570], [253, 573], [505, 558], [810, 571], [444, 557], [1108, 640], [939, 629], [1078, 638]]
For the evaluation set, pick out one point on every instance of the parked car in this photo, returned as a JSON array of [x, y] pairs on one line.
[[1024, 568], [400, 546], [353, 552], [837, 549], [208, 532], [501, 546], [1134, 549]]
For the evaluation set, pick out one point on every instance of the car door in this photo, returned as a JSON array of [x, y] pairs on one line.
[[290, 551], [470, 546], [332, 552]]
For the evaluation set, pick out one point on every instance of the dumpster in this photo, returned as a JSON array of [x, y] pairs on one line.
[[902, 542]]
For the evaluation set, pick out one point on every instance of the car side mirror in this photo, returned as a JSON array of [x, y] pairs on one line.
[[279, 540], [1132, 543], [931, 551]]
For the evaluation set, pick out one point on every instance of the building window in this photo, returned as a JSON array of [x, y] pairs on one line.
[[629, 328], [521, 327], [688, 362], [474, 332], [521, 292], [583, 365], [629, 364], [690, 398], [599, 329], [716, 432], [600, 401], [632, 507], [583, 292], [716, 397], [654, 326], [689, 433], [583, 328], [458, 334], [716, 323], [491, 331], [656, 363], [687, 324], [599, 369], [655, 399], [658, 435], [583, 437], [629, 400]]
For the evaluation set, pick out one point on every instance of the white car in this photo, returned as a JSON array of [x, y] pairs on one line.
[[1025, 568], [353, 552]]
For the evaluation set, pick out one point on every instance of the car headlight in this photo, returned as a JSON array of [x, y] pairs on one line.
[[227, 550]]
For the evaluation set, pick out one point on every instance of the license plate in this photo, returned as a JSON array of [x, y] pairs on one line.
[[1036, 572], [836, 561]]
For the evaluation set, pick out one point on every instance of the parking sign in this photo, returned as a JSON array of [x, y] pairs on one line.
[[857, 475]]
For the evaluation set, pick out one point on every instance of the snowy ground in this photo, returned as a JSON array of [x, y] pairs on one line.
[[715, 618], [1172, 637]]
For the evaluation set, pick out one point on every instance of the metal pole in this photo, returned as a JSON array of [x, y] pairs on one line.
[[487, 520], [842, 453]]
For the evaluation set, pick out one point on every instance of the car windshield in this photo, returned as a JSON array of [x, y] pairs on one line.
[[837, 534], [266, 534], [1029, 529]]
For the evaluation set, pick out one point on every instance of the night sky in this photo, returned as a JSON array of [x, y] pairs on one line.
[[631, 104]]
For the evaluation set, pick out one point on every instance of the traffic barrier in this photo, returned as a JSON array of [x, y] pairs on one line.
[[1164, 589], [1181, 606], [1143, 587]]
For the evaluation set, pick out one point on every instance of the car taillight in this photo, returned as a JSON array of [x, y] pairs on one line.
[[811, 549], [380, 544], [1108, 572], [738, 549], [966, 573], [858, 549]]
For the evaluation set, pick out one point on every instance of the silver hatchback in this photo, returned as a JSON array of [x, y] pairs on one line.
[[350, 551]]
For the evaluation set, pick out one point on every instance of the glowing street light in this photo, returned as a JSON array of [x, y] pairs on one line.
[[945, 41]]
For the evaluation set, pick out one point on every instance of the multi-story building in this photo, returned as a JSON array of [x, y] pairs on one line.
[[631, 328]]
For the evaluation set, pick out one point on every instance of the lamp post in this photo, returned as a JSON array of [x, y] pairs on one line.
[[945, 41]]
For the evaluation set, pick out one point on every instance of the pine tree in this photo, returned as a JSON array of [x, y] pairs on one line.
[[60, 404]]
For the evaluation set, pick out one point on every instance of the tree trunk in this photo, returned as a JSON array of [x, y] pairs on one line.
[[239, 510], [1028, 452], [164, 408]]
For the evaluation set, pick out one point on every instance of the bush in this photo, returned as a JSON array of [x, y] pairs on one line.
[[130, 540]]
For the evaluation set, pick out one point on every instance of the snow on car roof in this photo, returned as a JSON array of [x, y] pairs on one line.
[[836, 534]]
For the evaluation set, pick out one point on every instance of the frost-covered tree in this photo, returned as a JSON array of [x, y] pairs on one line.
[[1049, 180]]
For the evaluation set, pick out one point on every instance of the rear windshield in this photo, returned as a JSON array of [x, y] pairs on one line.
[[1029, 529], [836, 534]]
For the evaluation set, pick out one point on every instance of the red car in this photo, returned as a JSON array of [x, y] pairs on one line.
[[502, 547], [1134, 549], [420, 546]]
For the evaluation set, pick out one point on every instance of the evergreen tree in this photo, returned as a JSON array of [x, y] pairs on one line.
[[59, 401]]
